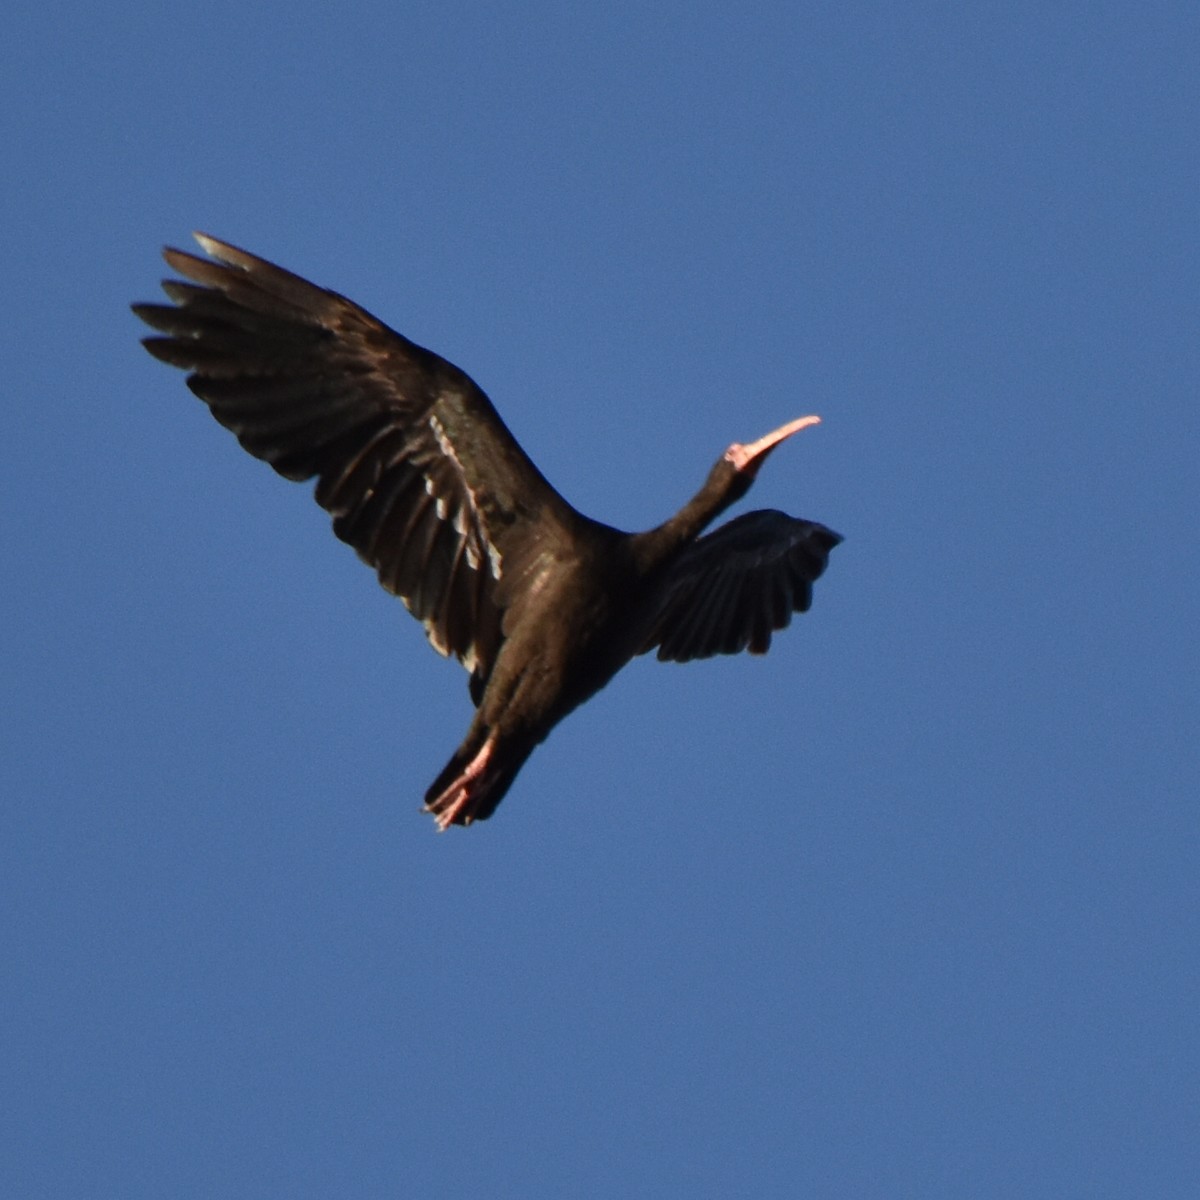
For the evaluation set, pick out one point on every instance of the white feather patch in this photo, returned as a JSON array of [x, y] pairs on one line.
[[466, 524]]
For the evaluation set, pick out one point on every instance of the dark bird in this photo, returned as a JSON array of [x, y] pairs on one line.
[[542, 605]]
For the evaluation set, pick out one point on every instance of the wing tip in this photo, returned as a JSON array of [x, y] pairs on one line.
[[224, 252]]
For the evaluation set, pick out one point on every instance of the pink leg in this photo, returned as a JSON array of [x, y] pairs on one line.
[[459, 798]]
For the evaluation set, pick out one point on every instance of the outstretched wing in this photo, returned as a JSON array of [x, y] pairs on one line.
[[413, 463], [733, 588]]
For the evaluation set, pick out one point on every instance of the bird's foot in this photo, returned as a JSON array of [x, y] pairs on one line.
[[456, 804]]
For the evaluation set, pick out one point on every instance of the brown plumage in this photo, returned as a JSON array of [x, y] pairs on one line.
[[541, 604]]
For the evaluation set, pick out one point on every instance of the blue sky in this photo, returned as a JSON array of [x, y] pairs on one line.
[[908, 907]]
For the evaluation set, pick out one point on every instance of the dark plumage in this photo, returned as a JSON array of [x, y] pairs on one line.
[[541, 604]]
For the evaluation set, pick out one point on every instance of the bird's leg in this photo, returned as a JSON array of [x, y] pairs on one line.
[[459, 798]]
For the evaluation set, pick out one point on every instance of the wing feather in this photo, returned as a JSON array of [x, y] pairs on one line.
[[411, 460], [735, 587]]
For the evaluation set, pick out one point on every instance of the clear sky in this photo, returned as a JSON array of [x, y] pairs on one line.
[[909, 907]]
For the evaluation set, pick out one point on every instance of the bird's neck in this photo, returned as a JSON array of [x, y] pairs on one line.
[[720, 490]]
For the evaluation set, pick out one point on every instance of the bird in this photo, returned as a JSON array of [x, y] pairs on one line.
[[541, 604]]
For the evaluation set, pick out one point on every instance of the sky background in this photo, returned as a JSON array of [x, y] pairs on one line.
[[909, 907]]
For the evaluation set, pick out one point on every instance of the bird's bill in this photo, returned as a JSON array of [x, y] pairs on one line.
[[751, 457]]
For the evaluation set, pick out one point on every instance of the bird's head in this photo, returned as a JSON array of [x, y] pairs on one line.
[[745, 460]]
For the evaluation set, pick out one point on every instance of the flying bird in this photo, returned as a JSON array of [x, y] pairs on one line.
[[541, 604]]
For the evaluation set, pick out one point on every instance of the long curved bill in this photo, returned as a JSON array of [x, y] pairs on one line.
[[751, 457]]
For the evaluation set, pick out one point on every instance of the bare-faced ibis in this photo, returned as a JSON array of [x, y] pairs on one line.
[[541, 604]]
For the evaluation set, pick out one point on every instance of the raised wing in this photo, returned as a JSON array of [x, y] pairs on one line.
[[733, 588], [413, 463]]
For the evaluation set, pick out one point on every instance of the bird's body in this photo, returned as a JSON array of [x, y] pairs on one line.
[[540, 603]]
